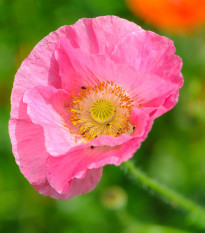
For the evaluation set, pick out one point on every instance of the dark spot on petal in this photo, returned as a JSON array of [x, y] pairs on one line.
[[108, 124], [83, 87], [133, 127], [66, 105], [92, 147]]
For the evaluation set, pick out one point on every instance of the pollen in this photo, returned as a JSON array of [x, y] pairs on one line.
[[103, 109]]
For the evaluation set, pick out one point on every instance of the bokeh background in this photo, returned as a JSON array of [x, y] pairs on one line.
[[174, 152]]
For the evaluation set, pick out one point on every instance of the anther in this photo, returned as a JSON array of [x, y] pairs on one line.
[[101, 110]]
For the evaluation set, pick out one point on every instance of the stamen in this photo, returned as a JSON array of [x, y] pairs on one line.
[[104, 109]]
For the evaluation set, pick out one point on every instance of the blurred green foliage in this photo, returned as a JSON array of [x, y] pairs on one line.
[[174, 152]]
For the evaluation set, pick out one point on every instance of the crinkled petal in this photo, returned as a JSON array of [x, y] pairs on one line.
[[32, 157], [40, 67], [97, 153], [27, 138], [30, 153], [49, 108], [86, 184], [150, 53], [147, 89], [154, 54], [139, 119], [62, 169], [96, 35], [78, 186], [169, 103], [30, 150], [99, 35], [72, 69]]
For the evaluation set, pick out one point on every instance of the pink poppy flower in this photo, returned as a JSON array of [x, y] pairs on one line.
[[87, 96]]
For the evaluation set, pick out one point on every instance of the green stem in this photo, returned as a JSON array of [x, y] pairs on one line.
[[196, 214]]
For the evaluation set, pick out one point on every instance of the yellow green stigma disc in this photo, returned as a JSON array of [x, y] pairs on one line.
[[102, 111]]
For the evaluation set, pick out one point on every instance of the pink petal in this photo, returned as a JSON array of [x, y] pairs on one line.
[[96, 35], [76, 163], [49, 108], [139, 119], [73, 71], [31, 156], [99, 35], [83, 185], [30, 149], [153, 54], [36, 69], [149, 53], [30, 152], [169, 103], [39, 68], [62, 170], [89, 69]]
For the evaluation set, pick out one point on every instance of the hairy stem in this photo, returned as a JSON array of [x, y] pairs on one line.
[[196, 214]]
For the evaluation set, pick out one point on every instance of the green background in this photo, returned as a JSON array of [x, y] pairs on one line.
[[174, 152]]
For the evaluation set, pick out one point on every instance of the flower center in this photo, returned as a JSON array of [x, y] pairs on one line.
[[102, 111]]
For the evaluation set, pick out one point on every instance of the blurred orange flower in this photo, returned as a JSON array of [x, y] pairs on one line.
[[173, 15]]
